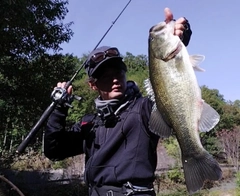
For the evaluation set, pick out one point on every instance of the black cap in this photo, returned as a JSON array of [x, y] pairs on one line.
[[92, 67]]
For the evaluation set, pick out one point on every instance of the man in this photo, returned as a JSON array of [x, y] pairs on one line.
[[120, 149]]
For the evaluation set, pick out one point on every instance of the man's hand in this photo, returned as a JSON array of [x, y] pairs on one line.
[[63, 84], [61, 96], [182, 27]]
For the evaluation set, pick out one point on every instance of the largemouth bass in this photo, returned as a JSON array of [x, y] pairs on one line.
[[178, 103]]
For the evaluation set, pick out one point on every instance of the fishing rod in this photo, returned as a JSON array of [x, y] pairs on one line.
[[60, 96]]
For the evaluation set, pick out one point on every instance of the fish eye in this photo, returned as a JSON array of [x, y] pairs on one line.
[[151, 39]]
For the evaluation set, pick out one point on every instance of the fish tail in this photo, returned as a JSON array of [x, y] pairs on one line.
[[199, 168]]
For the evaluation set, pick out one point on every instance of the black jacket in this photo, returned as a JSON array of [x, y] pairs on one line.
[[115, 155]]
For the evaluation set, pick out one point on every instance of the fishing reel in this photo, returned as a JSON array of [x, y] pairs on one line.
[[62, 98]]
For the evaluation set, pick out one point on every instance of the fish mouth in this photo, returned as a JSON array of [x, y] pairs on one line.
[[172, 54]]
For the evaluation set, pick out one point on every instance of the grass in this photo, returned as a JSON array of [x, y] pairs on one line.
[[218, 190], [203, 193]]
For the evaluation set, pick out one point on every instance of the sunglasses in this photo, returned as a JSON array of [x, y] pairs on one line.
[[100, 56]]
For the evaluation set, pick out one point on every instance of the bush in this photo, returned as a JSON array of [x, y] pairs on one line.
[[238, 181], [176, 175]]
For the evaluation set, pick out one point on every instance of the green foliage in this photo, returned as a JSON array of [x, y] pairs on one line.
[[135, 63], [30, 28], [178, 192], [27, 74], [229, 117], [176, 175], [213, 97], [238, 180], [229, 112], [60, 164], [137, 69], [27, 86], [211, 143], [238, 183], [86, 105], [173, 149]]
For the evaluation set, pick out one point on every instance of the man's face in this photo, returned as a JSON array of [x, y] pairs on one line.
[[111, 84]]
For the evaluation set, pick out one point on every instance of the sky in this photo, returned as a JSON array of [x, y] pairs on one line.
[[215, 25]]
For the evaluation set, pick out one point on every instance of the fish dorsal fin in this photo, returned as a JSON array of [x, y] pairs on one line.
[[158, 125], [195, 61], [149, 89], [209, 118]]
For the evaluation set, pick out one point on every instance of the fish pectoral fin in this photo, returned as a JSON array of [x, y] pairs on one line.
[[209, 118], [195, 61], [198, 168], [158, 125]]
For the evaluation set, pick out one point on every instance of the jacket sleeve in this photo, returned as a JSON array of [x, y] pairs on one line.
[[58, 142]]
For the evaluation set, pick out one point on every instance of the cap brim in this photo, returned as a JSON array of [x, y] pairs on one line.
[[108, 59]]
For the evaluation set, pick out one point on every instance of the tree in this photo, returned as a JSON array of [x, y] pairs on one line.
[[236, 103], [229, 117], [28, 30], [230, 142], [213, 98], [27, 93], [216, 100], [31, 27], [137, 69]]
